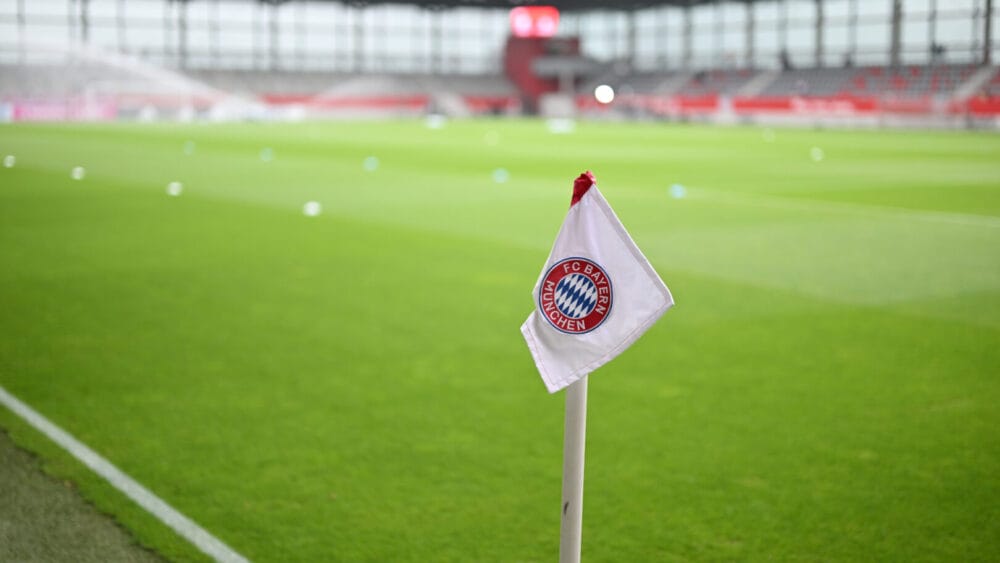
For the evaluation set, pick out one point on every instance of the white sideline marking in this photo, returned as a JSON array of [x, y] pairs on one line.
[[206, 542]]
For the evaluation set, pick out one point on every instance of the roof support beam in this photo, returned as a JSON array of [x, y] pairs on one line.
[[182, 34], [437, 53], [274, 38], [686, 47], [22, 34], [988, 34], [120, 26], [85, 20], [895, 44], [300, 35], [168, 31], [632, 22], [932, 31], [659, 45], [213, 33], [852, 29], [358, 15], [820, 23], [718, 45], [71, 20]]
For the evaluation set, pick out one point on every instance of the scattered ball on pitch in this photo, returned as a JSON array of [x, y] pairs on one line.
[[678, 191], [174, 189], [816, 154], [266, 154], [189, 148], [500, 175], [767, 135], [9, 161], [77, 173], [312, 209], [370, 164], [604, 94], [186, 114], [148, 114], [560, 125], [435, 121]]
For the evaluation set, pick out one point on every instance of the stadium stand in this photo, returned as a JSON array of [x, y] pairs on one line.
[[129, 89], [992, 89], [78, 82], [258, 83], [478, 93], [938, 81], [930, 95], [910, 81], [816, 82], [652, 83], [93, 90], [520, 65], [871, 81], [661, 83], [57, 82], [322, 93], [716, 82]]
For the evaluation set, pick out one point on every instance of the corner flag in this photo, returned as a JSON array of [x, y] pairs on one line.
[[596, 295]]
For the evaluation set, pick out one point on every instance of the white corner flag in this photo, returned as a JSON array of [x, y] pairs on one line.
[[596, 295]]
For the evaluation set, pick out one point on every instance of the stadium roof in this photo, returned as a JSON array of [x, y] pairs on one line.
[[564, 5]]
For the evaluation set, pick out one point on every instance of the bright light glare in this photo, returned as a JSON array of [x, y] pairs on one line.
[[604, 94], [546, 26], [534, 21], [522, 23]]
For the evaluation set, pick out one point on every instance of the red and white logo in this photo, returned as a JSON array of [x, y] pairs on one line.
[[575, 296]]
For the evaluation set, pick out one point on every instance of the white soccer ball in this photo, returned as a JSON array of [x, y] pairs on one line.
[[312, 209]]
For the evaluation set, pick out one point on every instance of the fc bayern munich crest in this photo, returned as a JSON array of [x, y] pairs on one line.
[[575, 296]]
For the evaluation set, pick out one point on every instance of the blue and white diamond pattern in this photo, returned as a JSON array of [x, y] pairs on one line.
[[576, 296]]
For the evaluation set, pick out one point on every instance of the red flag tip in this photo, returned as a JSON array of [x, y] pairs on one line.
[[581, 185]]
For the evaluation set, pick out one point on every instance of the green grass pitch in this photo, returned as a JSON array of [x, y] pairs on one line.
[[354, 387]]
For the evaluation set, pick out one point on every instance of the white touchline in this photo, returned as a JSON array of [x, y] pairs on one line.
[[142, 496]]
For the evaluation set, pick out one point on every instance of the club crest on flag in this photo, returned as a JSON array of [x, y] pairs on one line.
[[576, 295]]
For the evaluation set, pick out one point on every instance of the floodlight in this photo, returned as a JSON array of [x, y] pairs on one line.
[[604, 94]]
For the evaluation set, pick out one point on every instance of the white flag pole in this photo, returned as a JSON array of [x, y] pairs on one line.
[[572, 484]]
